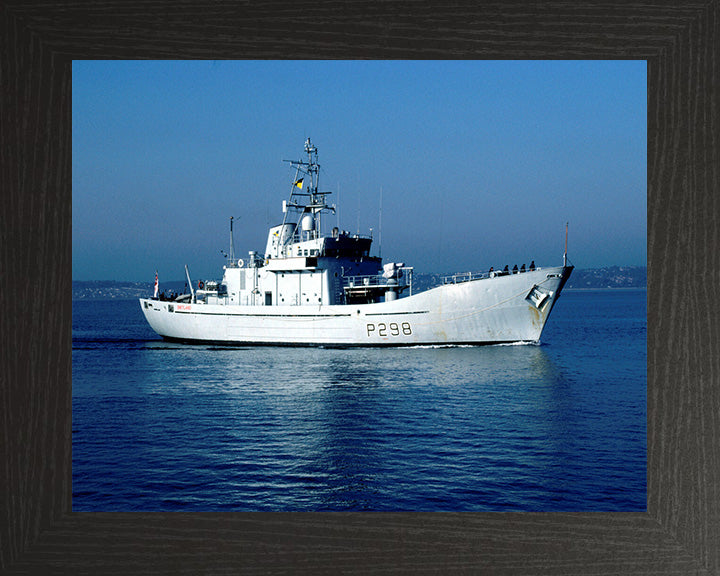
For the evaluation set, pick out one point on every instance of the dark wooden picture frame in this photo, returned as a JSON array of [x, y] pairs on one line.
[[679, 533]]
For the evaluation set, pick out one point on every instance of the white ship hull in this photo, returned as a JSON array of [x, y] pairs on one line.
[[509, 308]]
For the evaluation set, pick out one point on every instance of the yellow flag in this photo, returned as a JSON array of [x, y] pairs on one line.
[[299, 183]]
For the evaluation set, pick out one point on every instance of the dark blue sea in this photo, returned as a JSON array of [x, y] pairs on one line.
[[559, 426]]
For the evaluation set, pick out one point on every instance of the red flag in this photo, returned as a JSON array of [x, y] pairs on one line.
[[155, 295]]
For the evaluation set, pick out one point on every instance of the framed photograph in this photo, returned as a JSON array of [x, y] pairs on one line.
[[676, 533]]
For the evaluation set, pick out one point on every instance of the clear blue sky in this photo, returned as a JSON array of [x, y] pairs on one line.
[[480, 163]]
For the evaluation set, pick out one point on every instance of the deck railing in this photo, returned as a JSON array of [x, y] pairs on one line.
[[379, 280], [468, 276], [464, 277]]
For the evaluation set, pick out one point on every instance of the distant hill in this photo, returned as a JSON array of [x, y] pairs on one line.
[[114, 290], [611, 277]]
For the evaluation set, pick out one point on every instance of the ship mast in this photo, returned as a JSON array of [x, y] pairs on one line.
[[312, 201]]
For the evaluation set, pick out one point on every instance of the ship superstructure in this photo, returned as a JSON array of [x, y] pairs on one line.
[[315, 288]]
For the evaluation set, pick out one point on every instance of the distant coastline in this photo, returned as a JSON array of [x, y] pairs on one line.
[[612, 277]]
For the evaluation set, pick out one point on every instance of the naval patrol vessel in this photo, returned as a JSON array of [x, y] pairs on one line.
[[326, 289]]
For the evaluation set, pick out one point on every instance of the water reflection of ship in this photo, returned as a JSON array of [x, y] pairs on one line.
[[369, 433]]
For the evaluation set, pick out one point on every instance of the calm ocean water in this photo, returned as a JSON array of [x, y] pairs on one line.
[[555, 427]]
